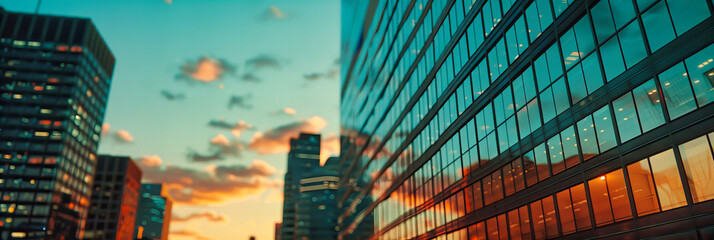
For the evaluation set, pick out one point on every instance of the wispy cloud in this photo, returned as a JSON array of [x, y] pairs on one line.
[[205, 69], [239, 101], [172, 96], [331, 74], [192, 186], [263, 61], [285, 111], [273, 12], [278, 140], [250, 77], [236, 128], [194, 156], [208, 216]]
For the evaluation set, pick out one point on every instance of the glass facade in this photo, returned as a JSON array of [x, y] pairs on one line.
[[528, 119], [55, 74], [153, 214]]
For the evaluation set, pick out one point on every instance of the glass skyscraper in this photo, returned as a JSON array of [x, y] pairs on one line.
[[55, 74], [304, 155], [153, 214], [528, 119]]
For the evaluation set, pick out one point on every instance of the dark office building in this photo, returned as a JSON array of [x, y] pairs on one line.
[[55, 74], [304, 155], [529, 119], [112, 213], [316, 210], [153, 215]]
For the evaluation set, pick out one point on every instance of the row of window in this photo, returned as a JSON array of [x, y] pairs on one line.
[[691, 83], [653, 184], [474, 36]]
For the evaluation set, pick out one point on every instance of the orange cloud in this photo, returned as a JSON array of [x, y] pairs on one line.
[[208, 216], [105, 129], [278, 140], [329, 146], [221, 140], [150, 161], [205, 69], [123, 135], [289, 111], [200, 187]]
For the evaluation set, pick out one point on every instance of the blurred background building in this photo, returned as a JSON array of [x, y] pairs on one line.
[[309, 207], [528, 119], [55, 74], [153, 214], [112, 211]]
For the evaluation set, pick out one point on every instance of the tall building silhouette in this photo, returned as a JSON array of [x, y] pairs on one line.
[[115, 198], [528, 119], [55, 74], [153, 215], [304, 155]]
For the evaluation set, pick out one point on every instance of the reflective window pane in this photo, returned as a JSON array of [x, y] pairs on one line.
[[541, 159], [570, 147], [699, 167], [602, 20], [580, 207], [667, 180], [687, 14], [525, 222], [700, 67], [649, 105], [551, 223], [584, 36], [622, 11], [576, 82], [658, 26], [643, 188], [565, 209], [632, 42], [556, 154], [592, 73], [588, 141], [618, 195], [626, 117], [677, 91], [612, 58], [514, 226], [605, 130]]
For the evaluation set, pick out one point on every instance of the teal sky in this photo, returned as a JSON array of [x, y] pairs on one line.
[[153, 39]]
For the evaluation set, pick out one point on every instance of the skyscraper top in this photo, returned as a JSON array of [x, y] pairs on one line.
[[58, 33]]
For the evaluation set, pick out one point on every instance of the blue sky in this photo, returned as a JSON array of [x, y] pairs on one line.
[[153, 39]]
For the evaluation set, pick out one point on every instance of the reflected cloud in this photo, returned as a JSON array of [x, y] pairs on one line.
[[277, 140], [192, 186], [205, 69]]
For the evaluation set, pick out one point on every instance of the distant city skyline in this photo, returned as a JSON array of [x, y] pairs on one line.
[[204, 90]]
